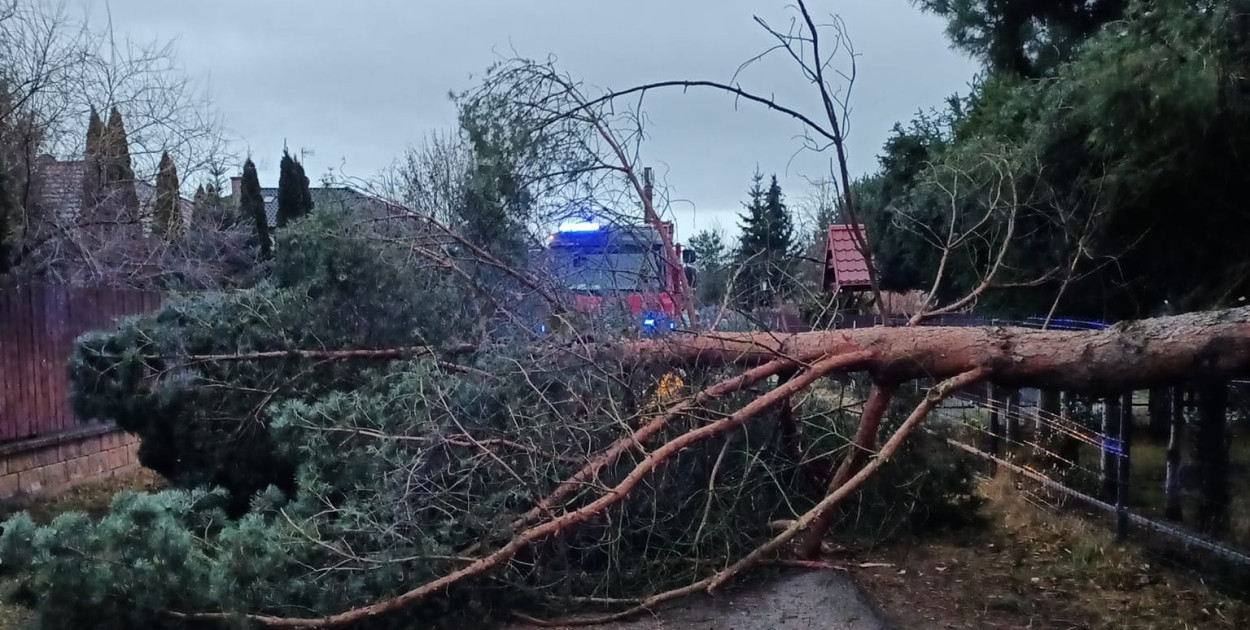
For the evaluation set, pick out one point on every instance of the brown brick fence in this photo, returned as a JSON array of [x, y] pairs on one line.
[[43, 446]]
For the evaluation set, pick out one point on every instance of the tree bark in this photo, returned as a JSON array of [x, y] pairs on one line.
[[1108, 471], [864, 443], [1130, 355], [1048, 409], [1173, 508], [1011, 413], [1160, 413], [1211, 457], [1124, 466], [1069, 447], [994, 432]]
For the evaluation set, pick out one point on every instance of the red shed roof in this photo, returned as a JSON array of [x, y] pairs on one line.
[[846, 266]]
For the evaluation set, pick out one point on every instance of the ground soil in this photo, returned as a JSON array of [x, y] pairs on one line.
[[1034, 567]]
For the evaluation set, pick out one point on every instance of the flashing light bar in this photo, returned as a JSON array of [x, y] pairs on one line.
[[579, 226]]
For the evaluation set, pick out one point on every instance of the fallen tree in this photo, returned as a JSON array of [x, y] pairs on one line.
[[591, 467], [1130, 355], [377, 436]]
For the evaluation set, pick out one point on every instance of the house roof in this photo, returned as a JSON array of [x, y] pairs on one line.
[[844, 258], [61, 189], [340, 197]]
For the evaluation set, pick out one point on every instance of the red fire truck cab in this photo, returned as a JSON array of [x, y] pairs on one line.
[[605, 265]]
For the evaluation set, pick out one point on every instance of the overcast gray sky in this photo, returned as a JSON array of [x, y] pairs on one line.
[[357, 82]]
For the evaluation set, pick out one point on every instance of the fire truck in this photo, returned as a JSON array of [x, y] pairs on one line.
[[617, 267]]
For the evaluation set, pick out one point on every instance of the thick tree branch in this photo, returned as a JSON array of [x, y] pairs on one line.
[[1130, 355], [524, 539], [759, 555], [937, 394], [864, 442]]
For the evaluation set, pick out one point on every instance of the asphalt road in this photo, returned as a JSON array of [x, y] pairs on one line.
[[816, 600]]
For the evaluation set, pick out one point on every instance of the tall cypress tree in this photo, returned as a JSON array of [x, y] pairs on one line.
[[119, 174], [305, 190], [93, 164], [765, 247], [294, 196], [252, 204], [166, 213], [8, 214]]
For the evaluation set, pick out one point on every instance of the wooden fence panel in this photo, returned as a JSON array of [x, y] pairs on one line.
[[38, 326]]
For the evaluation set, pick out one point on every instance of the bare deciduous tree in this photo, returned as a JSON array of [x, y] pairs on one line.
[[58, 67]]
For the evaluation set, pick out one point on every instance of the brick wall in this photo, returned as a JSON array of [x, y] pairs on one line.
[[51, 464]]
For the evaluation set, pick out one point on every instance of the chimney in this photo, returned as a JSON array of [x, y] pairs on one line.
[[236, 190]]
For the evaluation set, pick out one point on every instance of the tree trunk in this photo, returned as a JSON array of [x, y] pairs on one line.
[[1123, 468], [1011, 413], [1211, 457], [1069, 446], [787, 425], [1127, 356], [1173, 509], [1048, 409], [994, 432], [1108, 471], [1160, 413], [862, 445]]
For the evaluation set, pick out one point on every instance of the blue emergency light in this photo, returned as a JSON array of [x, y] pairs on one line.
[[578, 226]]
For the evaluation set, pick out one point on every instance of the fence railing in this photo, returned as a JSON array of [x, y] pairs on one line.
[[38, 325], [1081, 456]]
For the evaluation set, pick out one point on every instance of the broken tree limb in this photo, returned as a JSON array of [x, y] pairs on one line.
[[1130, 355], [522, 540], [333, 355], [864, 442], [936, 395], [606, 457]]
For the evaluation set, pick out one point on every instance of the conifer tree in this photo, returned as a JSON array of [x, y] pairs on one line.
[[712, 264], [93, 164], [306, 200], [8, 212], [765, 247], [166, 213], [294, 196], [119, 174], [252, 205]]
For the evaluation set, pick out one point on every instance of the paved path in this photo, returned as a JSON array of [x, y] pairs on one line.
[[817, 600]]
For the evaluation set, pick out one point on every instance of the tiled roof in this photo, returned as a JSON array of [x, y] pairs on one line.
[[339, 197], [844, 259]]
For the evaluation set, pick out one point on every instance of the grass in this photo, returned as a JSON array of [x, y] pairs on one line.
[[92, 498], [1036, 567], [12, 616], [1149, 471]]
